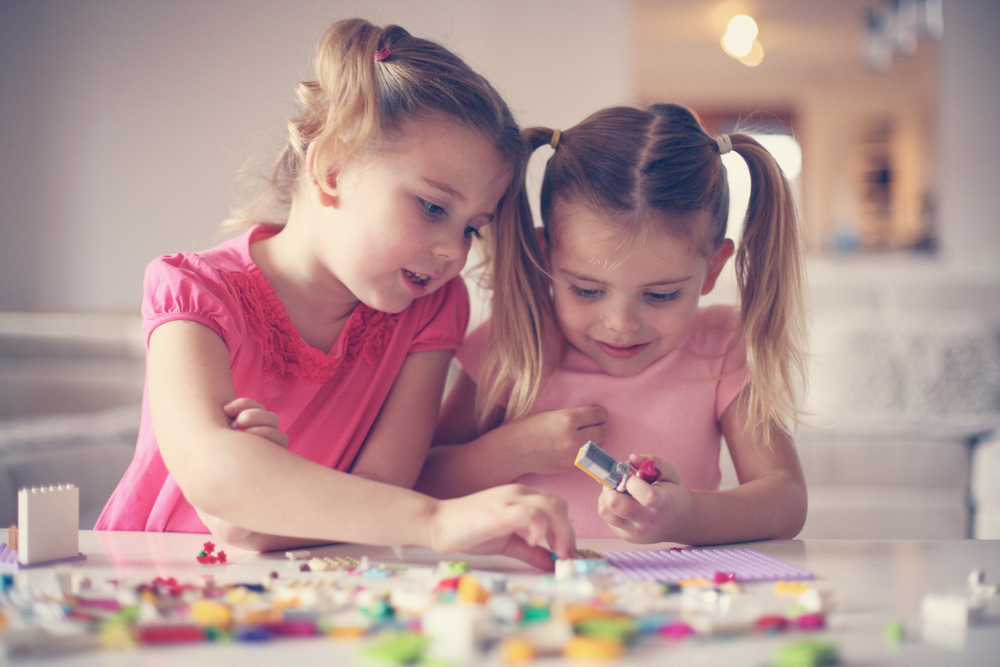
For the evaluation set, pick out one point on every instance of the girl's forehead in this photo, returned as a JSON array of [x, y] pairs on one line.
[[583, 229]]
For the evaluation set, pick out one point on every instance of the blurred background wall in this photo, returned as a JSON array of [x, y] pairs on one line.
[[122, 124], [128, 129]]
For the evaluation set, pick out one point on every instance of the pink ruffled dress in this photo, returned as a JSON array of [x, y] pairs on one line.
[[327, 402]]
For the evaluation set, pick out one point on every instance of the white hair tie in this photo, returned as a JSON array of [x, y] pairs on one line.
[[725, 144]]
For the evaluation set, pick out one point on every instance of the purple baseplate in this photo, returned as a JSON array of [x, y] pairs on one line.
[[678, 565]]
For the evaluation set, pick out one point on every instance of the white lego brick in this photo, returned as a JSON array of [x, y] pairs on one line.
[[455, 632], [48, 520], [945, 609]]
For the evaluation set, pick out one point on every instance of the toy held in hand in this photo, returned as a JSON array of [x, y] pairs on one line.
[[614, 474], [648, 472]]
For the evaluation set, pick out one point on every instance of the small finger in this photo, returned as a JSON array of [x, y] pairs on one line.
[[640, 490], [535, 556], [591, 416], [667, 472], [255, 417], [238, 405], [556, 527]]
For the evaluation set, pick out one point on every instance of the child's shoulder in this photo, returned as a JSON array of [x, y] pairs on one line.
[[718, 317], [713, 329], [229, 256]]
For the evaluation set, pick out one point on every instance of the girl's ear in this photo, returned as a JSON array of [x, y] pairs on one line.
[[718, 261], [326, 198]]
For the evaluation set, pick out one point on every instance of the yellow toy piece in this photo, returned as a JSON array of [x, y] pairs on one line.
[[593, 648], [516, 650], [211, 614]]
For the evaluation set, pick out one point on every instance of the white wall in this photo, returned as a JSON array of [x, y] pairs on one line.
[[123, 123], [969, 133]]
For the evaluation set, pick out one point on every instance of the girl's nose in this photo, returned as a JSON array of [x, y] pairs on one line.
[[450, 246], [620, 318]]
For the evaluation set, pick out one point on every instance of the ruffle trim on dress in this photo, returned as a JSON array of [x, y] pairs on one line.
[[286, 357]]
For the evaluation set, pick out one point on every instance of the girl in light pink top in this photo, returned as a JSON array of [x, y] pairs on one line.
[[602, 339], [341, 318]]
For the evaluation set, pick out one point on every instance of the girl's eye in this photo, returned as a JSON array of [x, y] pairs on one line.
[[472, 231], [432, 210], [585, 293], [657, 297]]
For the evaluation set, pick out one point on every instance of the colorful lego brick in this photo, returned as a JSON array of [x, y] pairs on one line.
[[600, 465]]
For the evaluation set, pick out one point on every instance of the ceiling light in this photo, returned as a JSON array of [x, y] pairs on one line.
[[739, 36], [740, 40]]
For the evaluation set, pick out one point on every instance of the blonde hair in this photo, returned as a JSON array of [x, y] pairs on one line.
[[625, 160], [357, 100]]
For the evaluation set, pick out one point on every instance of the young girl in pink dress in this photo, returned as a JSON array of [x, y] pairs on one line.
[[342, 319], [602, 339]]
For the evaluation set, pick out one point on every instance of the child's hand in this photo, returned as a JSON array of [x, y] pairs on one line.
[[546, 443], [511, 520], [649, 512], [248, 415]]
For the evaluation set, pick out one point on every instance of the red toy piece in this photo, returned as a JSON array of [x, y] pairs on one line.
[[724, 577], [205, 556], [648, 472]]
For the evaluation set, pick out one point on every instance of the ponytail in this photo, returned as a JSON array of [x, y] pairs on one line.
[[370, 81], [515, 362], [769, 268]]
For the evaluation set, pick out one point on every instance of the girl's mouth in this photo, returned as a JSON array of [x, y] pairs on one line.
[[616, 352], [417, 282]]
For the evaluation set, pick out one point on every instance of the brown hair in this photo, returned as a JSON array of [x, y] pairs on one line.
[[626, 160], [356, 101]]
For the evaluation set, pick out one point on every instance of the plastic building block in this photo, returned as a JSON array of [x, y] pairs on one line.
[[169, 634], [516, 650], [945, 609], [48, 528], [48, 520], [745, 565], [815, 653], [405, 648], [600, 465], [207, 557], [454, 631], [648, 471], [582, 647]]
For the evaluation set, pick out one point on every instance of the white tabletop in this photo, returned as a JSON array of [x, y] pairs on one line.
[[871, 583]]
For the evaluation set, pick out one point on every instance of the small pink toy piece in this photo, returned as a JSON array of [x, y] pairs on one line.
[[724, 577], [648, 472], [676, 630], [811, 622]]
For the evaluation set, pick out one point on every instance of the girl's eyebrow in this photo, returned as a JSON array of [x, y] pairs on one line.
[[444, 188], [457, 195], [657, 283]]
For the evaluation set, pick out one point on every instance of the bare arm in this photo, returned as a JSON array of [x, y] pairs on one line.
[[246, 480], [394, 450], [397, 445], [769, 503], [544, 443]]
